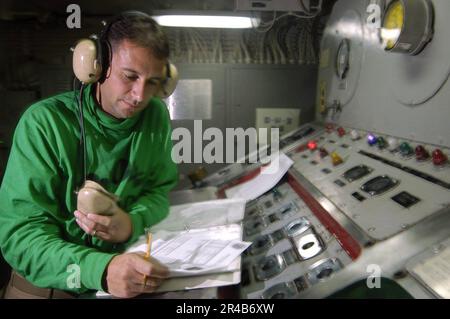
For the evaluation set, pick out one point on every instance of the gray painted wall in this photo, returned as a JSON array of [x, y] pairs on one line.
[[381, 84]]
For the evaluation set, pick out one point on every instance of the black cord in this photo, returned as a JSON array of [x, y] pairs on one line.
[[88, 238], [82, 132]]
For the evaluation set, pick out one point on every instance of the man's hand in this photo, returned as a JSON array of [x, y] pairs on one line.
[[116, 228], [125, 275]]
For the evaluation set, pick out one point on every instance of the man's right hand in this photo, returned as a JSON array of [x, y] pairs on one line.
[[125, 275]]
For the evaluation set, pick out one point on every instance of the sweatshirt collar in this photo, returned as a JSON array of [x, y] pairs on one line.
[[94, 113]]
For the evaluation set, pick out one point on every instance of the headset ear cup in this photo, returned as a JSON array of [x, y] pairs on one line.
[[170, 83], [85, 63]]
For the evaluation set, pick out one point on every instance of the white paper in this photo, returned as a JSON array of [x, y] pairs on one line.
[[202, 215], [195, 253], [268, 177]]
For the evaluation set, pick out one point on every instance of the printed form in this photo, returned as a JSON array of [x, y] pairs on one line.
[[196, 252]]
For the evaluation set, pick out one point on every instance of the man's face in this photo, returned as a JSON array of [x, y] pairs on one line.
[[133, 78]]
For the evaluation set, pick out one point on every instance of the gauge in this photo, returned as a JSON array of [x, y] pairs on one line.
[[407, 26], [342, 59]]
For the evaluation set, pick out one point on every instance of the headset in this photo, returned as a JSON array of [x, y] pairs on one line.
[[92, 57]]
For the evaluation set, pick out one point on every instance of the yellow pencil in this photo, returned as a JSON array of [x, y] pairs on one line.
[[147, 254]]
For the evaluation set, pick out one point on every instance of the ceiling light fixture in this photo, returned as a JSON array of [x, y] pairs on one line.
[[206, 19]]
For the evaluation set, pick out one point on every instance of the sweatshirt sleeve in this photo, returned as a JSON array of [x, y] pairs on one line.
[[33, 216], [153, 204]]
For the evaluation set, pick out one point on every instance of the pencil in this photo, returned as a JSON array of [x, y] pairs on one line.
[[147, 254]]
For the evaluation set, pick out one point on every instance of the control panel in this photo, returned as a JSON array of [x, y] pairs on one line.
[[291, 251], [352, 198], [374, 178]]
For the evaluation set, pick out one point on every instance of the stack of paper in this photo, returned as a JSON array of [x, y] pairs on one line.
[[197, 252], [200, 243]]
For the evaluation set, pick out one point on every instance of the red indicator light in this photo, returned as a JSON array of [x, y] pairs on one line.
[[312, 145], [341, 131], [439, 158]]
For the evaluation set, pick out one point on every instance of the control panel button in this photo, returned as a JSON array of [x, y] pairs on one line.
[[339, 183], [280, 291], [381, 143], [357, 172], [260, 244], [355, 135], [323, 152], [421, 153], [439, 158], [406, 149], [336, 159], [297, 226], [269, 267], [308, 246], [392, 144], [312, 145], [323, 269], [379, 185], [358, 196], [405, 199], [371, 139]]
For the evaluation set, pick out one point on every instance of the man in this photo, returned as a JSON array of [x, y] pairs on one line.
[[51, 246]]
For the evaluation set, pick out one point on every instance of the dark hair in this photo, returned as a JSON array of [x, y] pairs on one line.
[[140, 29]]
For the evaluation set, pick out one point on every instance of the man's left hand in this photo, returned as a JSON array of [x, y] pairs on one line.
[[116, 228]]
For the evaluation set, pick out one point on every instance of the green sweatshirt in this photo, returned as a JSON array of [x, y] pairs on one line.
[[131, 158]]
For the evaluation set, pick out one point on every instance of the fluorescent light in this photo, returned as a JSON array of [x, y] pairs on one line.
[[206, 21]]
